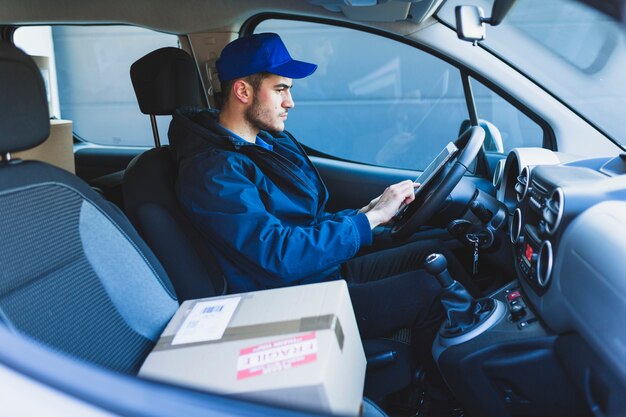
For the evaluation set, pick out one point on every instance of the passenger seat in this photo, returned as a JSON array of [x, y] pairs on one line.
[[75, 275]]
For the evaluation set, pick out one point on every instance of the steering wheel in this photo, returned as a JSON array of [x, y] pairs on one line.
[[433, 193]]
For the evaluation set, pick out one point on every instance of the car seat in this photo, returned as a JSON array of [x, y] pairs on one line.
[[75, 274], [76, 277], [165, 80]]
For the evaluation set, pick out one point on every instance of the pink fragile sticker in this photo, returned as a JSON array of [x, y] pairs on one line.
[[277, 356]]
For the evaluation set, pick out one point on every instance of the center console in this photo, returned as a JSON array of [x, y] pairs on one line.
[[508, 367], [532, 226]]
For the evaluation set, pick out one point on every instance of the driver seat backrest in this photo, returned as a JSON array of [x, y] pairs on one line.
[[74, 273], [165, 80]]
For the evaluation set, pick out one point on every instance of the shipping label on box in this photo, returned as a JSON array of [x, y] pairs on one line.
[[277, 356], [206, 321]]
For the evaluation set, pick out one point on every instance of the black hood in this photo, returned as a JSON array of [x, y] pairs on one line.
[[196, 129]]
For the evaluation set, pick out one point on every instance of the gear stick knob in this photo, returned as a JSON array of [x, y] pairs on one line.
[[437, 265], [462, 311]]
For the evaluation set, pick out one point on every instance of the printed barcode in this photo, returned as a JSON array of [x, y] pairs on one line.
[[212, 309]]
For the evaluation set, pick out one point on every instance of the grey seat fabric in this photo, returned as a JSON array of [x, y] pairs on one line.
[[75, 275], [165, 80]]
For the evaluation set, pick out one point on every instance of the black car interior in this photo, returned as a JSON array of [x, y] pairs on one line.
[[99, 285]]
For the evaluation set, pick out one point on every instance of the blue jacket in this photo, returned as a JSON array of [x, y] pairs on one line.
[[261, 210]]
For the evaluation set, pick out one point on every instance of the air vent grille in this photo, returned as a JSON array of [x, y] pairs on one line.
[[553, 210], [522, 184], [544, 264], [538, 187]]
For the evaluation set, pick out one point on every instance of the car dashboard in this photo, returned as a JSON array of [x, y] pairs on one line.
[[559, 346], [568, 235]]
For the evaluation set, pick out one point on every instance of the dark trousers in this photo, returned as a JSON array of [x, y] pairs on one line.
[[390, 290]]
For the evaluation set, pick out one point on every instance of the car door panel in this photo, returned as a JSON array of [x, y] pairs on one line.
[[94, 161], [352, 185]]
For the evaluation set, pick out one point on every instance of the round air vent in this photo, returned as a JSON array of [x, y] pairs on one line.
[[521, 187], [544, 263], [498, 173], [553, 210], [516, 226]]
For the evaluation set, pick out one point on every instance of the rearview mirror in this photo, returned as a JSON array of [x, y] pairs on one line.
[[470, 20], [500, 9], [470, 23]]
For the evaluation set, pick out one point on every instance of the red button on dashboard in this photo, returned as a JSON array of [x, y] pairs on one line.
[[513, 295]]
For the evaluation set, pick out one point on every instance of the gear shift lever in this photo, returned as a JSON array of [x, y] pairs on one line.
[[437, 265], [463, 312]]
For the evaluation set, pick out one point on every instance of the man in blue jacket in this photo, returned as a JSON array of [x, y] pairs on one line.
[[256, 197]]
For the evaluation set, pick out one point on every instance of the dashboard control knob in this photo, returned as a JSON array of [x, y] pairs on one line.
[[517, 312]]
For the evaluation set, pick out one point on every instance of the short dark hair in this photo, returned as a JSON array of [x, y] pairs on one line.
[[254, 80]]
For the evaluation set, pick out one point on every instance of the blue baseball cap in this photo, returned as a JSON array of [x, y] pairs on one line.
[[261, 52]]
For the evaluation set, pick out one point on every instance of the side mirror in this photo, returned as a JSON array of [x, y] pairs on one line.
[[493, 138], [470, 23]]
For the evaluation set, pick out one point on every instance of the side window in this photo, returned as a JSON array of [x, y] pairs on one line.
[[507, 127], [87, 72], [372, 100]]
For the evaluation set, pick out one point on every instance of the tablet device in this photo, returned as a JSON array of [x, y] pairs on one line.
[[439, 161], [428, 174]]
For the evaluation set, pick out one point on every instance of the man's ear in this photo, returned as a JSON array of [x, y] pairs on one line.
[[242, 91]]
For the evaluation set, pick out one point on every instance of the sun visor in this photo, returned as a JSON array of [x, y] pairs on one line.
[[381, 10]]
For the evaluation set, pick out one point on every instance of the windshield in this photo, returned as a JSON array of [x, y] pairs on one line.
[[575, 52]]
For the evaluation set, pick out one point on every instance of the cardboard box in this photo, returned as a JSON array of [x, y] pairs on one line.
[[57, 150], [297, 346]]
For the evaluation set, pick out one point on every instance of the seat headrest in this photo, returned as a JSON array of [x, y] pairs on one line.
[[165, 80], [24, 117]]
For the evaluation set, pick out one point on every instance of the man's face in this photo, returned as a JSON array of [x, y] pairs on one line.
[[270, 104]]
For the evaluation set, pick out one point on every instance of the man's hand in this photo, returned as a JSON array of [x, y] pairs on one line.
[[381, 209], [370, 205]]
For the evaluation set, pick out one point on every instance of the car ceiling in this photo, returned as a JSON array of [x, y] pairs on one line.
[[189, 16]]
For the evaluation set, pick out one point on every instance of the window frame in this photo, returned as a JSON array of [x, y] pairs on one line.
[[549, 139], [79, 142]]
